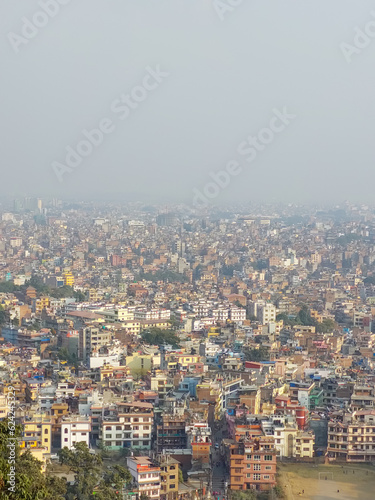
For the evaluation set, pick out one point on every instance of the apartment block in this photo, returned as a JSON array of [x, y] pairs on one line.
[[253, 464], [130, 427], [171, 433], [351, 437], [146, 476], [169, 470]]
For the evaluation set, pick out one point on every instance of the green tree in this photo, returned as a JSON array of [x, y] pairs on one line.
[[3, 316], [30, 482], [79, 296], [304, 318], [261, 354], [158, 336], [86, 468], [326, 326], [8, 287], [180, 476], [92, 480], [243, 495], [287, 320]]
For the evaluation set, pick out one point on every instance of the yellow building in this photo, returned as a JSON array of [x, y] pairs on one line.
[[169, 469], [3, 406], [40, 304], [213, 332], [139, 364], [68, 279], [37, 434]]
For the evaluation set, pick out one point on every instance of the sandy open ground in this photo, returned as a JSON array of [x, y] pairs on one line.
[[355, 482]]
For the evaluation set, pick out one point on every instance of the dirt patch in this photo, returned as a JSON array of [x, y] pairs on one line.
[[327, 482]]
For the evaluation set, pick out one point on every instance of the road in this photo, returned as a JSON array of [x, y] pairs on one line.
[[219, 471]]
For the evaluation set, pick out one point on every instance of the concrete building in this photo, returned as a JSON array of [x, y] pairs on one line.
[[146, 476], [351, 437], [253, 464], [169, 470], [129, 427], [75, 429]]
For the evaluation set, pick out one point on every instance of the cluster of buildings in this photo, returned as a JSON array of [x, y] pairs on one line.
[[268, 350]]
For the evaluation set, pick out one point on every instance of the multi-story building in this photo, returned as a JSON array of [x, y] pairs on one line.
[[199, 440], [75, 429], [146, 476], [253, 464], [36, 434], [169, 470], [130, 427], [91, 339], [142, 314], [351, 437], [171, 433], [237, 314], [161, 383], [68, 279], [266, 313], [363, 397]]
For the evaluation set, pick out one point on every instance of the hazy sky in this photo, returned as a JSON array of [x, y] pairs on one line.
[[220, 75]]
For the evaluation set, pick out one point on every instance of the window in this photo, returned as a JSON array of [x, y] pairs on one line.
[[45, 431], [256, 477], [172, 486], [108, 428], [46, 440], [145, 443], [266, 476], [256, 466], [118, 427], [268, 458], [248, 466], [118, 436], [268, 467], [256, 457], [248, 457], [108, 436], [248, 475], [237, 471], [65, 440], [66, 430]]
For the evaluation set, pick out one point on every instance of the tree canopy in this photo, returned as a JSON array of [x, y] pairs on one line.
[[92, 481], [158, 336], [30, 482]]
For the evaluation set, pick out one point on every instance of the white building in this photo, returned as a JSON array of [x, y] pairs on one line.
[[142, 314], [146, 476], [75, 429], [237, 314], [266, 313]]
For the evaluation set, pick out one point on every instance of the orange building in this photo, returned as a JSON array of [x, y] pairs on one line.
[[253, 464]]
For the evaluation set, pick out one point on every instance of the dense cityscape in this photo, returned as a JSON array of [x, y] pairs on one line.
[[161, 352]]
